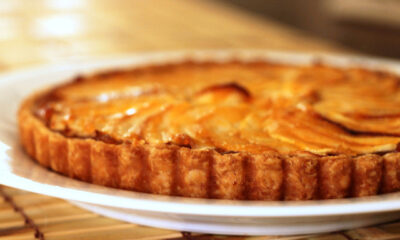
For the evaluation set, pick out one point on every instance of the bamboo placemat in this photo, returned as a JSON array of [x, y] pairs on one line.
[[26, 216]]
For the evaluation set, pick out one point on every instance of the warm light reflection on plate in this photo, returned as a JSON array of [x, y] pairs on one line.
[[65, 4], [58, 26], [8, 28], [8, 6]]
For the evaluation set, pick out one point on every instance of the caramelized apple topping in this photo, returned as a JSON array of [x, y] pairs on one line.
[[319, 109]]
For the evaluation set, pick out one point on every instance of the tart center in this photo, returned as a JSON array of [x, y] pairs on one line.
[[249, 107]]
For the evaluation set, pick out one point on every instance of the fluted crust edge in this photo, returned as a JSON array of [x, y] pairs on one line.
[[205, 173]]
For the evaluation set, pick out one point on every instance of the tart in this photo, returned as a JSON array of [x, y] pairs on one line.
[[235, 130]]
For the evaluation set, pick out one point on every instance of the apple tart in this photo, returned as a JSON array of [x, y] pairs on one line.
[[234, 130]]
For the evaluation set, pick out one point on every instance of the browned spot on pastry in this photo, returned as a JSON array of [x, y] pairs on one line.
[[183, 140], [224, 151], [233, 86], [112, 73], [104, 137], [45, 113], [78, 79], [369, 116]]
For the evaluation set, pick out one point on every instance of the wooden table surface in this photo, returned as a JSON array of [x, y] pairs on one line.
[[48, 31], [43, 31]]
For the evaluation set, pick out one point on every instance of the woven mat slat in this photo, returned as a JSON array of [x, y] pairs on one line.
[[58, 220]]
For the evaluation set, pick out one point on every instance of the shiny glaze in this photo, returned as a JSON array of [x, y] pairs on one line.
[[250, 107]]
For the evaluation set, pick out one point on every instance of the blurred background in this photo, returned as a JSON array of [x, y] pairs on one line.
[[370, 26], [44, 31]]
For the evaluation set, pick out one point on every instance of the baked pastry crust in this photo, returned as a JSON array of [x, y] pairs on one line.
[[179, 169]]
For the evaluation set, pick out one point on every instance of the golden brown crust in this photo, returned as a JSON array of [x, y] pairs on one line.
[[334, 177], [367, 175], [192, 172], [206, 173], [301, 177], [391, 173], [265, 177], [227, 176]]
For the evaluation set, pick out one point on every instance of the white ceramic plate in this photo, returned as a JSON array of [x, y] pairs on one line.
[[198, 215]]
